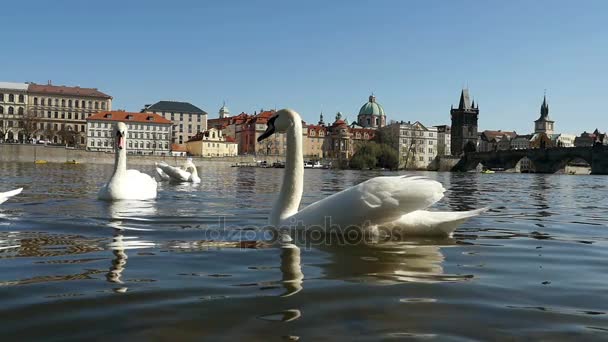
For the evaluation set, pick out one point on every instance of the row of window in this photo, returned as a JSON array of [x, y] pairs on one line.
[[70, 103], [130, 135], [188, 116], [406, 141], [131, 144], [11, 98], [416, 133], [11, 110], [129, 126]]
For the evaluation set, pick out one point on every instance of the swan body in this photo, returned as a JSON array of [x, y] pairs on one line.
[[393, 203], [186, 173], [4, 196], [126, 184]]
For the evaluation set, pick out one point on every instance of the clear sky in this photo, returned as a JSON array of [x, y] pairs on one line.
[[325, 56]]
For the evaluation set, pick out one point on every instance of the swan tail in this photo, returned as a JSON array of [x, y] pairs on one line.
[[430, 223], [174, 173], [6, 195], [160, 174]]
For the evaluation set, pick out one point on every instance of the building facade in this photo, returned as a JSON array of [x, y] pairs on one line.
[[13, 107], [147, 133], [493, 140], [464, 125], [60, 112], [444, 140], [416, 143], [187, 119], [212, 143]]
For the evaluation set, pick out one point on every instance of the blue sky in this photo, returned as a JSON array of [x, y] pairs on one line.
[[325, 56]]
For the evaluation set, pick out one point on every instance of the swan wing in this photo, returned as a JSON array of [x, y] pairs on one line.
[[375, 201], [174, 173], [160, 174], [140, 185], [429, 223], [6, 195]]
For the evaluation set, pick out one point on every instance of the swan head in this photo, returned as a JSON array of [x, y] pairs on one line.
[[121, 135], [280, 122]]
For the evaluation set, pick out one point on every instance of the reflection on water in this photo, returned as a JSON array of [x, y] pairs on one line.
[[192, 264]]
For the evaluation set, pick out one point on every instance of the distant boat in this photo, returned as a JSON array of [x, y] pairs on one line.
[[487, 171], [40, 161], [72, 162]]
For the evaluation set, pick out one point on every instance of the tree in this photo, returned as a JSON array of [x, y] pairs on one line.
[[371, 155], [387, 137], [29, 124]]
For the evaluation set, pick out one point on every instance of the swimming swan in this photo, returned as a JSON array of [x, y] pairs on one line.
[[126, 184], [391, 204], [6, 195], [186, 173]]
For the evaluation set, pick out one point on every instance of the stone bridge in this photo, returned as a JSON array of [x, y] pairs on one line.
[[549, 160]]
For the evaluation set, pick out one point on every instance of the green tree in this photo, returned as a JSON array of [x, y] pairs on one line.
[[372, 155]]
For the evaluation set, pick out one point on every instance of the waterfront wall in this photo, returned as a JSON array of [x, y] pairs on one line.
[[58, 154]]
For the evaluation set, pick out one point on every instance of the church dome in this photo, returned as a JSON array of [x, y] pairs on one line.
[[372, 107]]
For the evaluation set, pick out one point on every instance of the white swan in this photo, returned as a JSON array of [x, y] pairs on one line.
[[394, 203], [126, 184], [185, 173], [6, 195]]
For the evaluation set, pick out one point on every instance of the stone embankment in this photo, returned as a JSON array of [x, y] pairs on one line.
[[59, 154]]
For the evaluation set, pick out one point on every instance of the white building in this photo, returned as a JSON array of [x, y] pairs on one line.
[[146, 133], [13, 106], [187, 119], [563, 140], [444, 139], [417, 144]]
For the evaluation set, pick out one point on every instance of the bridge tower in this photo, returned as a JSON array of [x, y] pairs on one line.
[[464, 125], [544, 124]]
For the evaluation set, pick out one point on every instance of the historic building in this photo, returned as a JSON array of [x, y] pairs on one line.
[[464, 125], [416, 143], [521, 142], [147, 133], [495, 140], [61, 111], [224, 112], [13, 105], [212, 143], [187, 118], [544, 124], [444, 140], [371, 114]]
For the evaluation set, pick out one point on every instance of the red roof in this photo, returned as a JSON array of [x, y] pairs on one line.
[[119, 115], [178, 148], [63, 90]]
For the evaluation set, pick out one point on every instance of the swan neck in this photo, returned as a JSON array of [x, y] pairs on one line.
[[293, 179], [120, 160]]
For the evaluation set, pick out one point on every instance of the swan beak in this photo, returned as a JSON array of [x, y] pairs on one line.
[[269, 132], [120, 140]]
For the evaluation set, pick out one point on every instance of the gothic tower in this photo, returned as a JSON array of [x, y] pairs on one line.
[[464, 125], [544, 124]]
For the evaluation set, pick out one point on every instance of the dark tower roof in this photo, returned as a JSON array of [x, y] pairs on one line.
[[321, 122], [465, 102], [544, 110]]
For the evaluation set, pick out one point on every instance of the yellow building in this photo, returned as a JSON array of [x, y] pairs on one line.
[[212, 143]]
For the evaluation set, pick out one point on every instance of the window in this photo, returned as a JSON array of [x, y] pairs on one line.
[[56, 102], [430, 150], [1, 110], [70, 103], [11, 110], [421, 158], [96, 105], [90, 104], [431, 142], [11, 98], [1, 97], [20, 111], [103, 105], [431, 158], [83, 104], [35, 101], [62, 103]]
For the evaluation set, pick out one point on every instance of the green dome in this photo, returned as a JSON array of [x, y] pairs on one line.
[[372, 107]]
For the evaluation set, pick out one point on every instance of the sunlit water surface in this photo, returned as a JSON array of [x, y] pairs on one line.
[[192, 264]]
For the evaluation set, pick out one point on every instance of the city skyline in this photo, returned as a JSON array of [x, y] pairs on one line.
[[415, 57]]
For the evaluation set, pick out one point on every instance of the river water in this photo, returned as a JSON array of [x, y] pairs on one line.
[[192, 266]]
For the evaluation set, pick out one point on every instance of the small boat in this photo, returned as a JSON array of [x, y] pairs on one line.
[[317, 165], [308, 165], [487, 171], [72, 162], [40, 161]]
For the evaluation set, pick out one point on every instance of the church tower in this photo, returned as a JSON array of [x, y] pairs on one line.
[[464, 125], [544, 124], [224, 112]]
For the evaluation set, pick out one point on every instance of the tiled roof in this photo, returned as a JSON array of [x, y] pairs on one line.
[[50, 89], [174, 106], [489, 135], [119, 115]]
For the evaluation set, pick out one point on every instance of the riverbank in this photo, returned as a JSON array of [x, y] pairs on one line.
[[59, 154]]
